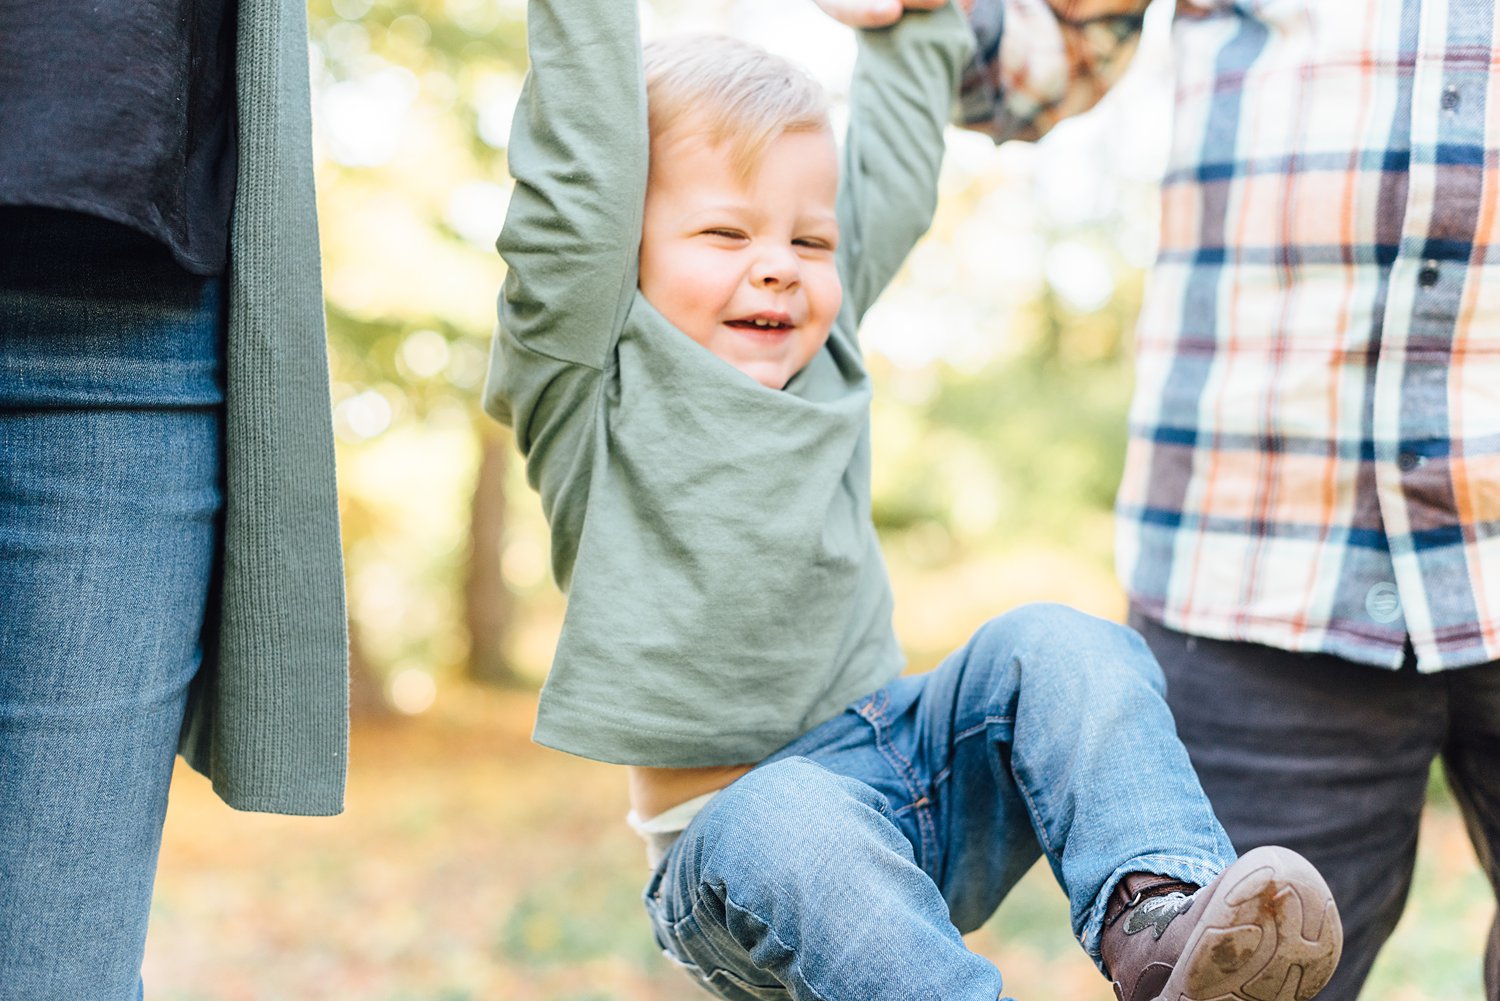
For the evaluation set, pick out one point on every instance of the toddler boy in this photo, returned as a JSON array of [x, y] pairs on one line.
[[677, 354]]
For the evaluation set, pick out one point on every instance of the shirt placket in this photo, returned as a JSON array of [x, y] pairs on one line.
[[1412, 423]]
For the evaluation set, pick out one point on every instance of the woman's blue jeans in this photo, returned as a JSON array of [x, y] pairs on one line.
[[847, 864], [111, 422]]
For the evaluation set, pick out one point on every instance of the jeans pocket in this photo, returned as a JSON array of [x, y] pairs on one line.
[[688, 949], [730, 987], [723, 984]]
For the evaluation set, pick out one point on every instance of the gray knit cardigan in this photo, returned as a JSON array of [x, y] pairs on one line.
[[268, 716]]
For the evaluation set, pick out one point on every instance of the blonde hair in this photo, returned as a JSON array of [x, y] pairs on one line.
[[737, 94]]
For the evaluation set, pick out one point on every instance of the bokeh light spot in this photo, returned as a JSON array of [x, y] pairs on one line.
[[412, 691], [425, 353]]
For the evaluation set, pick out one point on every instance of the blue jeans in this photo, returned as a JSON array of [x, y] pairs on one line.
[[111, 395], [847, 864]]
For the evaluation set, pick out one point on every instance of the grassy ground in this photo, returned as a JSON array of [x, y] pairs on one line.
[[474, 866]]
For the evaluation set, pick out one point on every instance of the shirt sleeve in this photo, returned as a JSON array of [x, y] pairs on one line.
[[578, 153], [571, 241], [1040, 61], [901, 99]]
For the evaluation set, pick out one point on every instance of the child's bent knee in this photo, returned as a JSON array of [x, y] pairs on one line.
[[1055, 645], [787, 810], [1047, 624]]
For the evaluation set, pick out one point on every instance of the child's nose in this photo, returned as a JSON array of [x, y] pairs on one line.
[[776, 268]]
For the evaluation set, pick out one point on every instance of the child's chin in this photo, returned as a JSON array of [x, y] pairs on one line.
[[770, 376]]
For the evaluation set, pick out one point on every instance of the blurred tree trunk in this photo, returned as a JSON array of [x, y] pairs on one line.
[[487, 602], [367, 698], [366, 693]]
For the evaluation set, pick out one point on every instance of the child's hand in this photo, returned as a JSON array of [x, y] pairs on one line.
[[879, 13]]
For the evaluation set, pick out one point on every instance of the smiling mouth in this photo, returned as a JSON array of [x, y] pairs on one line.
[[759, 325]]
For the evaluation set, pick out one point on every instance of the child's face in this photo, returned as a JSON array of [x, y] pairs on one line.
[[744, 265]]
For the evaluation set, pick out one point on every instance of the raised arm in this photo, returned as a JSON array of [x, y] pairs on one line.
[[1041, 61], [902, 97], [578, 153]]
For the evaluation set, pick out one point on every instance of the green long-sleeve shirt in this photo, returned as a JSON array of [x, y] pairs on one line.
[[726, 591]]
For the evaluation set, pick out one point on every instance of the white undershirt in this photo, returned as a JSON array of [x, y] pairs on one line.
[[661, 830]]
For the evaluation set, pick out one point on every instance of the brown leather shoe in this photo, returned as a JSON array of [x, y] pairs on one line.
[[1266, 930]]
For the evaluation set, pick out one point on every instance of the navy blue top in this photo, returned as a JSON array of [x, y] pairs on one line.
[[124, 111]]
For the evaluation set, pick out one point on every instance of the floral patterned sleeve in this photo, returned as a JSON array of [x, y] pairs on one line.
[[1040, 61]]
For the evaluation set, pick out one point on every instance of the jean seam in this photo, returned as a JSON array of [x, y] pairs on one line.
[[921, 800], [1031, 807], [873, 713], [942, 777], [982, 726], [874, 707]]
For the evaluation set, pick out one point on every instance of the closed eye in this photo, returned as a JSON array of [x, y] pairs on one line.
[[813, 243], [728, 234]]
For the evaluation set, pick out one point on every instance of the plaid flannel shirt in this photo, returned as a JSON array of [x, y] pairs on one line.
[[1314, 456]]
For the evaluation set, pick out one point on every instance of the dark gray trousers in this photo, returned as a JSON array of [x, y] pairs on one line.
[[1331, 759]]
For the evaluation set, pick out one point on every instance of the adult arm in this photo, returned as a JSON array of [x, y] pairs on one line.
[[1040, 61]]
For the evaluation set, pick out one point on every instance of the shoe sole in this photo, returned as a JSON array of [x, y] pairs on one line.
[[1270, 932]]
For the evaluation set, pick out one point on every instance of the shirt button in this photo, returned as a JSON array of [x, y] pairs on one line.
[[1407, 461], [1383, 602], [1451, 98], [1428, 276]]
